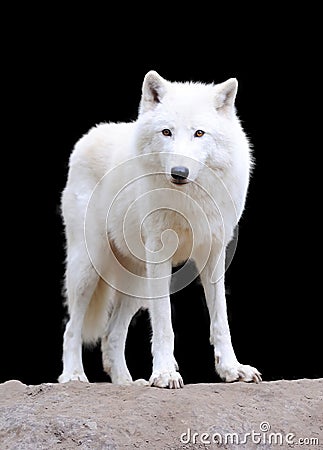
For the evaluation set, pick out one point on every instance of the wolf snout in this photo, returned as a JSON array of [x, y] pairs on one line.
[[179, 174]]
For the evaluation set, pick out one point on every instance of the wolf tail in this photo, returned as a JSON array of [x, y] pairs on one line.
[[97, 314]]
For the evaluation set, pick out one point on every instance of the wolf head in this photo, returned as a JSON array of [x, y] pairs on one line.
[[189, 126]]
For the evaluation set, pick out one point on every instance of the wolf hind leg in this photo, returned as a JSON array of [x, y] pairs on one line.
[[79, 293], [81, 281], [113, 341]]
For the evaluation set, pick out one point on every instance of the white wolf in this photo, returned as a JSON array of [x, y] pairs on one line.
[[140, 198]]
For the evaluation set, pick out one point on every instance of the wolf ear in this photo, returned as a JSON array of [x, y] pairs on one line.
[[153, 90], [225, 95]]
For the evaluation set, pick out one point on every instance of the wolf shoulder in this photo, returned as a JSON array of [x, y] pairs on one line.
[[104, 146]]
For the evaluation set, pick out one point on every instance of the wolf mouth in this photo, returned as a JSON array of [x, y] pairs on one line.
[[179, 182]]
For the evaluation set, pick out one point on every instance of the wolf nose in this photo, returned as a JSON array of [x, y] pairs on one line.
[[179, 174]]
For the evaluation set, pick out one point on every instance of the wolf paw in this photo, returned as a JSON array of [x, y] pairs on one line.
[[75, 376], [239, 372], [171, 380], [141, 382]]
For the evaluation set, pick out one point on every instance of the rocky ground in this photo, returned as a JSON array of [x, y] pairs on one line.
[[269, 415]]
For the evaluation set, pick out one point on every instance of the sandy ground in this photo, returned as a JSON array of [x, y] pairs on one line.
[[269, 415]]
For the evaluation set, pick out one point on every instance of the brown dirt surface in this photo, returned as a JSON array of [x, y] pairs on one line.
[[270, 415]]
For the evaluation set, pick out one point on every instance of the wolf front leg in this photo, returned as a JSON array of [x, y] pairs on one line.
[[165, 367], [226, 363]]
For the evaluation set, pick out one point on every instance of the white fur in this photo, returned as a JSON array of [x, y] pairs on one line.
[[127, 224]]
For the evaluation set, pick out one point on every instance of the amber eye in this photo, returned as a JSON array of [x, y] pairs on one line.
[[199, 133], [167, 132]]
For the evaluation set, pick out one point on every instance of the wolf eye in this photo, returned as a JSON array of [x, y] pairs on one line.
[[166, 132], [199, 133]]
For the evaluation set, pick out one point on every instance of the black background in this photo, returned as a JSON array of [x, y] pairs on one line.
[[66, 73]]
